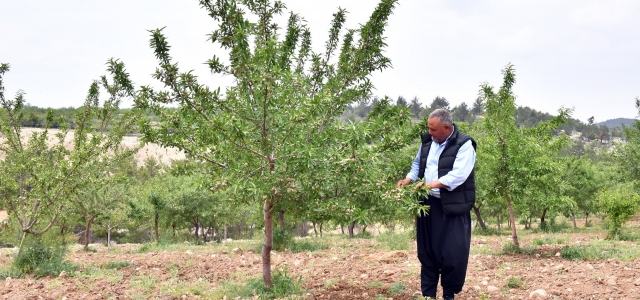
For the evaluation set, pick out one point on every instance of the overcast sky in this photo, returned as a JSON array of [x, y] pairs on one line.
[[581, 54]]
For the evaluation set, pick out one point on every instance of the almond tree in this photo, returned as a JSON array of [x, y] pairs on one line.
[[40, 174], [517, 164], [262, 129]]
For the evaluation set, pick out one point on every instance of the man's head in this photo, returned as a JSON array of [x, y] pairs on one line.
[[440, 125]]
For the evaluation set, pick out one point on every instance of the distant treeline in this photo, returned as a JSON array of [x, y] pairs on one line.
[[35, 116], [525, 116]]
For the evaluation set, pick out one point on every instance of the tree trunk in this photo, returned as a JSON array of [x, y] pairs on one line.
[[156, 218], [304, 230], [281, 219], [108, 238], [320, 229], [476, 210], [268, 243], [351, 228], [197, 225], [512, 220], [86, 232], [226, 232], [342, 228], [586, 219], [314, 228], [573, 219], [544, 213]]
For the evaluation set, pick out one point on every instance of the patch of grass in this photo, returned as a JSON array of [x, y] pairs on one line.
[[549, 241], [482, 249], [305, 246], [92, 273], [9, 272], [397, 288], [363, 235], [622, 251], [283, 287], [511, 248], [331, 282], [89, 249], [375, 284], [490, 232], [116, 265], [514, 283], [178, 288], [394, 241], [145, 283]]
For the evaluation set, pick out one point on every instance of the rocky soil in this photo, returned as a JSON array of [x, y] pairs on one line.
[[350, 269]]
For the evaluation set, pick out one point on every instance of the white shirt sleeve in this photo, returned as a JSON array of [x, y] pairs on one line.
[[462, 167], [413, 174]]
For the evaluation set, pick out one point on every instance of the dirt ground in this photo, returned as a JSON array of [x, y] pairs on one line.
[[355, 269]]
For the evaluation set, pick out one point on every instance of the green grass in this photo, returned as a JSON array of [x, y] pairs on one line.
[[283, 286], [395, 241], [116, 265], [397, 288], [92, 273], [549, 241], [623, 251], [511, 249], [514, 283]]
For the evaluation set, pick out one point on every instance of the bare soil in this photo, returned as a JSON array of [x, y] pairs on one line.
[[353, 269]]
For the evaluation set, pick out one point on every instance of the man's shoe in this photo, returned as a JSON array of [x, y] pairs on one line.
[[448, 298]]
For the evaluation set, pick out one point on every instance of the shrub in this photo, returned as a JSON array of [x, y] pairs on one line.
[[619, 205], [42, 260], [281, 238], [514, 283]]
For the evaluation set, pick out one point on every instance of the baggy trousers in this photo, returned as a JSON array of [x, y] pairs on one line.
[[443, 249]]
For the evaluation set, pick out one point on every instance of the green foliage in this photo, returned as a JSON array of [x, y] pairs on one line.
[[552, 226], [409, 197], [42, 260], [516, 166], [281, 238], [619, 205], [40, 174]]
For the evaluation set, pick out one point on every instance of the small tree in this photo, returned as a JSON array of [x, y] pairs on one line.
[[39, 175], [269, 123], [522, 159]]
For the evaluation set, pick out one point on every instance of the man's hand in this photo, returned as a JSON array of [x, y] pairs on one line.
[[404, 182]]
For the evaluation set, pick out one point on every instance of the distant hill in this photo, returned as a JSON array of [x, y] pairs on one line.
[[613, 123]]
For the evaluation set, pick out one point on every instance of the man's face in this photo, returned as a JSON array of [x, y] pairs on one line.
[[438, 131]]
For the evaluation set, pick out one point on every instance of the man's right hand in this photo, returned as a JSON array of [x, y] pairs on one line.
[[404, 182]]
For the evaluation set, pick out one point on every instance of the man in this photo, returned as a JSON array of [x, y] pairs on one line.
[[444, 163]]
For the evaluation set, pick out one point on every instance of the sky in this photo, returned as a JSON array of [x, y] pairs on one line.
[[579, 54]]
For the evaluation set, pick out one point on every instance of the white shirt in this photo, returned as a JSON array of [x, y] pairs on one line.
[[462, 166]]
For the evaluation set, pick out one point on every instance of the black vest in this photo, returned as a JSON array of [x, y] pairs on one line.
[[461, 199]]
